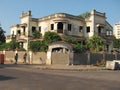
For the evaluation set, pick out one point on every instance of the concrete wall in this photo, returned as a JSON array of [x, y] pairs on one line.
[[60, 58], [37, 58]]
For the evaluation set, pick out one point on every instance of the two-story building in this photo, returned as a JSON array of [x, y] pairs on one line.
[[63, 24]]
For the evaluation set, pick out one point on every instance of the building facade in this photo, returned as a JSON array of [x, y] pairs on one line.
[[63, 24], [117, 30]]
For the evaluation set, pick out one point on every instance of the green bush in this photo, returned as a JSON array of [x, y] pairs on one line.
[[78, 48], [50, 37], [37, 34], [70, 40], [37, 46]]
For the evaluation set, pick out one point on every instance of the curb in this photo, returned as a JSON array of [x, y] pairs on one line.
[[55, 67]]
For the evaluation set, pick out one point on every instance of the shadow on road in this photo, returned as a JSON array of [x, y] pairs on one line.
[[12, 65], [2, 78]]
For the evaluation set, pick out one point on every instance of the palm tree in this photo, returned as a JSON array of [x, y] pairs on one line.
[[95, 43]]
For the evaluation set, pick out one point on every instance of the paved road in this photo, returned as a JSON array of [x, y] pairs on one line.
[[19, 78]]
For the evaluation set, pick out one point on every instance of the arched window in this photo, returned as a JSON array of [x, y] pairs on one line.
[[60, 27]]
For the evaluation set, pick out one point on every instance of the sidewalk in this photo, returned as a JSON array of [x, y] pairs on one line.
[[54, 67], [70, 67]]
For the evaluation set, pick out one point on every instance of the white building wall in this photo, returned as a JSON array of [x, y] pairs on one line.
[[44, 27], [91, 33], [117, 30], [75, 27], [14, 30], [90, 22]]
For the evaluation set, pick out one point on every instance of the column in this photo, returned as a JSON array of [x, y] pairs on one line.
[[65, 28], [48, 61], [55, 26], [30, 57]]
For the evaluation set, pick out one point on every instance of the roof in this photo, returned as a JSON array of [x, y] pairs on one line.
[[61, 15]]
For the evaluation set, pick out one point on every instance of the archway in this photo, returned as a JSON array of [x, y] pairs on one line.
[[59, 53]]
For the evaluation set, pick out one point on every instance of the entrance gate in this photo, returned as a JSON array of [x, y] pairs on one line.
[[59, 53], [60, 58]]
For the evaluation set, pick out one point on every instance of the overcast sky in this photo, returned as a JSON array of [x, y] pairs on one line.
[[10, 10]]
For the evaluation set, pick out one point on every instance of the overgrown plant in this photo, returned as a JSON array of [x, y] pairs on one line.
[[95, 43]]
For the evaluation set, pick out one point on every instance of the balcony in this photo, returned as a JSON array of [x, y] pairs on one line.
[[105, 36]]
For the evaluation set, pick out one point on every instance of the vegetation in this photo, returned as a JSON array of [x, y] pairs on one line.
[[116, 43], [70, 40], [77, 47], [3, 46], [50, 37], [37, 34], [10, 46], [35, 45], [38, 45], [13, 45], [85, 15], [94, 44], [2, 35]]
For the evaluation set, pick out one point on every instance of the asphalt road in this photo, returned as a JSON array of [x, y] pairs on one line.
[[18, 78]]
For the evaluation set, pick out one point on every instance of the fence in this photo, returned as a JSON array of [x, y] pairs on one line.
[[92, 58], [78, 59]]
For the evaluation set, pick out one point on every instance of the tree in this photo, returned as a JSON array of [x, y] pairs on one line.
[[35, 45], [50, 37], [38, 45], [2, 35], [70, 40], [4, 46], [116, 43], [78, 48], [37, 34], [85, 15], [95, 43], [13, 45]]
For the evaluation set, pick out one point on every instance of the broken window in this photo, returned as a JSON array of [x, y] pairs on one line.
[[69, 27], [52, 26], [88, 29], [60, 27], [40, 29], [23, 30], [99, 30], [33, 29], [80, 28], [18, 32]]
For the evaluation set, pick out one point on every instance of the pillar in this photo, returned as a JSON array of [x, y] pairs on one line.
[[49, 61]]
